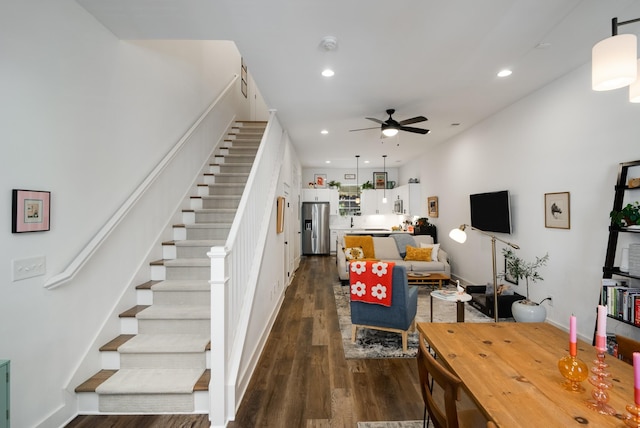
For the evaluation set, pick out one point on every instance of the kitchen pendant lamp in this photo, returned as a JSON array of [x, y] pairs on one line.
[[384, 168], [357, 181], [614, 61]]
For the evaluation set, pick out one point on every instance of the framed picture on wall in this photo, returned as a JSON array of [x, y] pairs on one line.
[[31, 211], [557, 210], [320, 180], [379, 180], [432, 206]]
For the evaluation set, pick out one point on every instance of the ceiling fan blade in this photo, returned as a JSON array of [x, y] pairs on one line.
[[415, 130], [364, 129], [413, 120], [375, 120]]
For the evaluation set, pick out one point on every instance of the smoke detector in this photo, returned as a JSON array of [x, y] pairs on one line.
[[329, 43]]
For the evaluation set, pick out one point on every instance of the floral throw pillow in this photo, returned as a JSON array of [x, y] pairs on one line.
[[354, 253]]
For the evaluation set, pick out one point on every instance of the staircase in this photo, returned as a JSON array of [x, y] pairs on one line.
[[160, 361]]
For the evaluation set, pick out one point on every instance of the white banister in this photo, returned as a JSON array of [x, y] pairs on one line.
[[235, 270], [85, 254]]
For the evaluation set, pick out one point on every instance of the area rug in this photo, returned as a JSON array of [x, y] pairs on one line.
[[392, 424], [380, 344]]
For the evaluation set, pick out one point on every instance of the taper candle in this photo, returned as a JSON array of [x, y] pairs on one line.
[[573, 337], [636, 378], [601, 330]]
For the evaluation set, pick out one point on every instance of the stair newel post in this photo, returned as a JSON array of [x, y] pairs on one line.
[[218, 399]]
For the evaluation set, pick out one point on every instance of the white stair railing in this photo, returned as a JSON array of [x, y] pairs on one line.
[[234, 272]]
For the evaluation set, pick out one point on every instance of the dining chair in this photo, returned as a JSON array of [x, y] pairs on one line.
[[430, 371], [626, 348]]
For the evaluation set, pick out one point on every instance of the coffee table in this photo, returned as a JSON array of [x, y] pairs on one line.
[[432, 279]]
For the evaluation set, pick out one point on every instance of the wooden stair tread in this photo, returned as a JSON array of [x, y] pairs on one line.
[[203, 383], [94, 381], [115, 343], [97, 379], [146, 285], [132, 312]]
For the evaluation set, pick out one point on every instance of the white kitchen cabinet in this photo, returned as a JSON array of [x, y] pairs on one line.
[[371, 202], [322, 195], [409, 194]]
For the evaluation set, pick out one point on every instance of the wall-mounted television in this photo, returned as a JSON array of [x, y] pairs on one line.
[[491, 211]]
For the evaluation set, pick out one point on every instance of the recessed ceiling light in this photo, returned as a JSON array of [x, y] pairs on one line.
[[327, 72], [324, 132], [504, 73], [327, 161], [366, 161]]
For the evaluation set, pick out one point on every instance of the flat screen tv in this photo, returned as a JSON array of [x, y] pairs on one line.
[[491, 211]]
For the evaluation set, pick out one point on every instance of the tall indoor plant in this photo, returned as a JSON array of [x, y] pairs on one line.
[[526, 310]]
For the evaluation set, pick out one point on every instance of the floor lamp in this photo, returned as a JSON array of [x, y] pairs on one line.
[[459, 235]]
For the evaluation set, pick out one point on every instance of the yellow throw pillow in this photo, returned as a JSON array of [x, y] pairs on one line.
[[354, 253], [365, 242], [418, 254]]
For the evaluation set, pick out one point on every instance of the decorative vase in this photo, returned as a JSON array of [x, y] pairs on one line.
[[527, 311]]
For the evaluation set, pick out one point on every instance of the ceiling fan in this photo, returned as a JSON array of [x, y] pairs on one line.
[[390, 127]]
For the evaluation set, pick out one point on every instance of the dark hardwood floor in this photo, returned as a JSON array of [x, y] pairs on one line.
[[302, 378]]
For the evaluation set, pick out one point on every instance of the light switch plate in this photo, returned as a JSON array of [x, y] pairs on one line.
[[28, 268]]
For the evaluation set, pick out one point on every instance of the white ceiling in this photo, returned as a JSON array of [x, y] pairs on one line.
[[436, 58]]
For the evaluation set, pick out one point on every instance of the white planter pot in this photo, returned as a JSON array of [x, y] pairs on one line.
[[528, 312]]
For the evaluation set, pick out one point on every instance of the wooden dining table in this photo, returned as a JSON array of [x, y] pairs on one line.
[[511, 372]]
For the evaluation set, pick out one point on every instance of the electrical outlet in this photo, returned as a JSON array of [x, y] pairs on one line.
[[550, 300], [28, 268]]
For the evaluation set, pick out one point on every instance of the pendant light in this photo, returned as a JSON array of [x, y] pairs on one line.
[[614, 60], [384, 192], [357, 181]]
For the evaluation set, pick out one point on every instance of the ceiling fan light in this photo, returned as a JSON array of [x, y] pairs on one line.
[[614, 63], [389, 132]]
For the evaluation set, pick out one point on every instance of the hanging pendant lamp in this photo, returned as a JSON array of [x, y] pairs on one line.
[[614, 60], [384, 192], [357, 181]]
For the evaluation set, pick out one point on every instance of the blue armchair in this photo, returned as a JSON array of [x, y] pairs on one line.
[[397, 318]]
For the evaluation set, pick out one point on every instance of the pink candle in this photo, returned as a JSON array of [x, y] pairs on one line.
[[636, 377], [573, 338], [601, 330]]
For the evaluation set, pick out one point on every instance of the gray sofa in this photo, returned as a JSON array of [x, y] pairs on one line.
[[386, 249]]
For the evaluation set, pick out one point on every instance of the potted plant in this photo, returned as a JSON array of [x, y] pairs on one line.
[[367, 185], [526, 310], [629, 216], [334, 184]]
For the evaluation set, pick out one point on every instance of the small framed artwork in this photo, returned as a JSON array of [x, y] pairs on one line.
[[243, 70], [31, 211], [320, 180], [243, 88], [280, 220], [349, 176], [507, 275], [432, 206], [557, 210], [380, 180]]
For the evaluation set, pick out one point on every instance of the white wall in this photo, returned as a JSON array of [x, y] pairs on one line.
[[562, 138], [85, 116]]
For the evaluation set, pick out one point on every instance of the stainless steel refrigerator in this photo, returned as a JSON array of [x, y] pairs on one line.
[[315, 228]]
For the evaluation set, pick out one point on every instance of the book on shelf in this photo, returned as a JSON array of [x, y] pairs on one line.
[[622, 302]]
